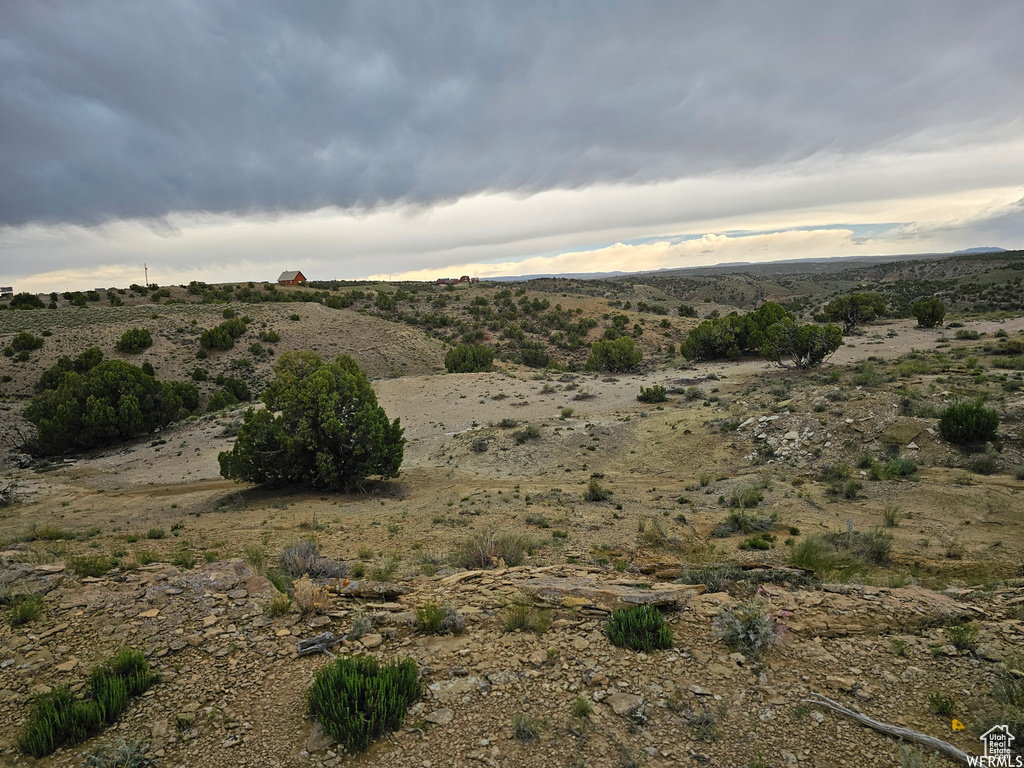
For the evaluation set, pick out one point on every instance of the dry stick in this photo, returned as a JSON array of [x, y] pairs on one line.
[[892, 730]]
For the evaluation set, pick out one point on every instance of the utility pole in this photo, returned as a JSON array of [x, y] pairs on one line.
[[146, 268]]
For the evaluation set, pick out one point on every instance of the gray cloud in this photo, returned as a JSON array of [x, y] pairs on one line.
[[112, 110]]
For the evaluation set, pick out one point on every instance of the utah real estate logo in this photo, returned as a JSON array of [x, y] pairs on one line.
[[998, 749]]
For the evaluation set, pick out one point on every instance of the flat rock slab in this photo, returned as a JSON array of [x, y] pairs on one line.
[[366, 589], [604, 595]]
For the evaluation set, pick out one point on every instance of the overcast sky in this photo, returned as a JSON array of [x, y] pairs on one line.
[[232, 139]]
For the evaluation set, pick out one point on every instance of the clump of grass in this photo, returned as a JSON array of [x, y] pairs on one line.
[[57, 719], [256, 556], [357, 700], [595, 491], [279, 606], [942, 704], [891, 515], [816, 554], [747, 498], [741, 522], [144, 557], [873, 546], [747, 628], [49, 533], [962, 635], [654, 536], [304, 559], [156, 533], [25, 609], [901, 647], [520, 614], [581, 707], [490, 549], [715, 577], [526, 729], [90, 565], [642, 628], [437, 619]]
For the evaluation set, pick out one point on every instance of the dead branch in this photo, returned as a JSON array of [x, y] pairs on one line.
[[892, 730]]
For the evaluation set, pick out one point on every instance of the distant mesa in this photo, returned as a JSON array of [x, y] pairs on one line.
[[983, 249]]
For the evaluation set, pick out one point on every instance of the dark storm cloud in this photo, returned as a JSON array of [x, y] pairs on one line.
[[115, 110]]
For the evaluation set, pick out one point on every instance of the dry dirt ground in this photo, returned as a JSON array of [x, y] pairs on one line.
[[232, 690]]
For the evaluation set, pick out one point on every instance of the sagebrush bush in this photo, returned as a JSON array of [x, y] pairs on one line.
[[968, 422], [488, 549], [642, 628], [357, 700], [747, 628], [595, 491], [304, 559]]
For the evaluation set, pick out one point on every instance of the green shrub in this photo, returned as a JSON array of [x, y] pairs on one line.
[[322, 427], [134, 340], [968, 422], [642, 628], [755, 543], [357, 700], [56, 719], [875, 547], [26, 301], [83, 405], [965, 334], [655, 394], [615, 356], [595, 491], [469, 358], [25, 342], [929, 312], [900, 467], [25, 608], [800, 346], [854, 309]]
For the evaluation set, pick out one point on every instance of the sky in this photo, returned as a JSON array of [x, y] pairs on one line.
[[225, 140]]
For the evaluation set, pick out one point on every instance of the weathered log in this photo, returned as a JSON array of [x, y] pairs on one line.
[[893, 730], [319, 644]]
